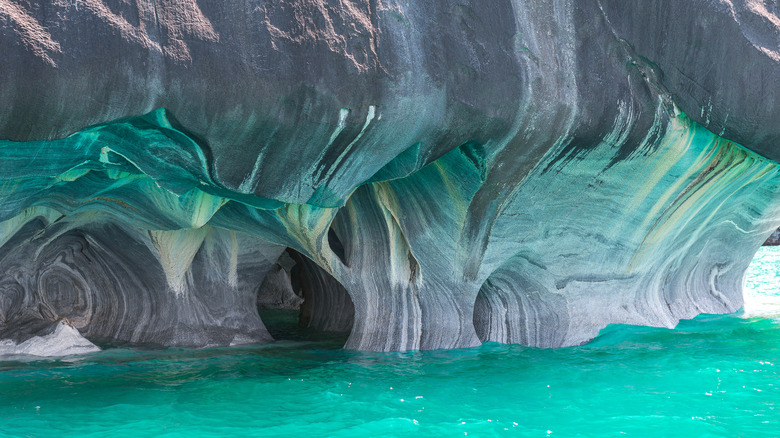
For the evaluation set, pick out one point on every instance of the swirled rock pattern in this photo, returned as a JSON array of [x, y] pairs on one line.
[[118, 285], [511, 171], [327, 306]]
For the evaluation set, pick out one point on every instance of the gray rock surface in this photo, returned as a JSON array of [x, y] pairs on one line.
[[124, 285], [511, 171], [327, 306], [774, 239], [58, 339], [276, 291]]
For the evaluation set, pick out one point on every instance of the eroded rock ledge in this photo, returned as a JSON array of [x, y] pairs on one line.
[[443, 173]]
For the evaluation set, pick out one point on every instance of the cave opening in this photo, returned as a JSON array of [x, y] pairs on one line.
[[300, 301], [761, 291]]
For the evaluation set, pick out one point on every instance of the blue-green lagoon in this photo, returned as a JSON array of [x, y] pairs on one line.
[[711, 376]]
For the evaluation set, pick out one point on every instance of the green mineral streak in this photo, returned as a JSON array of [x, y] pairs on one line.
[[711, 376], [146, 156]]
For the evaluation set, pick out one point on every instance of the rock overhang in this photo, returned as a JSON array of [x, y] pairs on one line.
[[539, 162]]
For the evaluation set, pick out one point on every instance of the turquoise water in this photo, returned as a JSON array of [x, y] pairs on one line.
[[712, 376]]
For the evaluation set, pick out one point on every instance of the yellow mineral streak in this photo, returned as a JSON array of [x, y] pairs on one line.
[[177, 249]]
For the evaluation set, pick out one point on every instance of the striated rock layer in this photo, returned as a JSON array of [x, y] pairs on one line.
[[442, 173]]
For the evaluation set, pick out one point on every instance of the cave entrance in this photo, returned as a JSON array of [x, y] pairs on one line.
[[761, 291], [299, 301]]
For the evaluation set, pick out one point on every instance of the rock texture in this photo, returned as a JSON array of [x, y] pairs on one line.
[[277, 292], [774, 239], [511, 171], [326, 306], [56, 339]]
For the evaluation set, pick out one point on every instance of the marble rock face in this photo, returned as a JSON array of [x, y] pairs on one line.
[[56, 339], [441, 173]]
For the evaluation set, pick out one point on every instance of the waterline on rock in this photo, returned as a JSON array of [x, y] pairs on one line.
[[713, 375]]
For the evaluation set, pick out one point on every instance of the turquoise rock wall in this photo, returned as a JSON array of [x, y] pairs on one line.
[[120, 229]]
